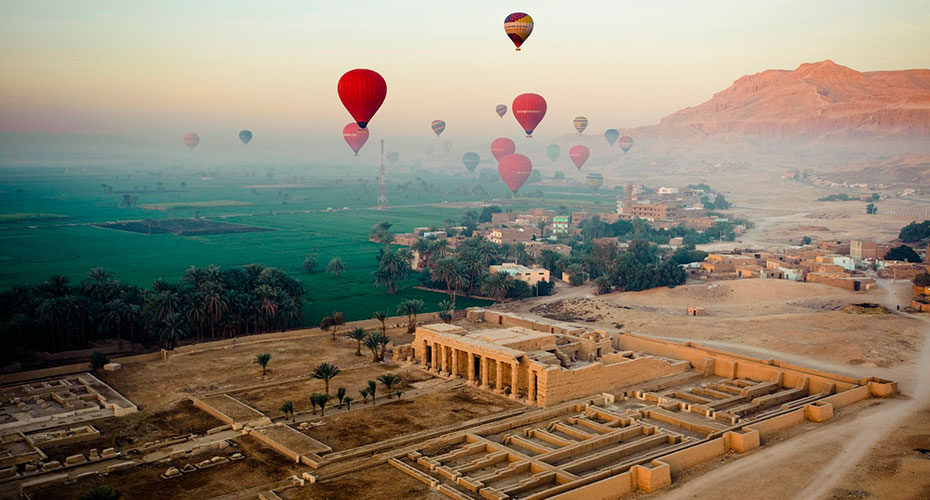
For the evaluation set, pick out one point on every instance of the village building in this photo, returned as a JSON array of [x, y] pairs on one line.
[[530, 275], [507, 235], [561, 224]]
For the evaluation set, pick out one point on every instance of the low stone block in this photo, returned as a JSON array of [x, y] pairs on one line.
[[171, 472], [54, 464], [112, 367], [120, 467], [108, 453], [75, 460]]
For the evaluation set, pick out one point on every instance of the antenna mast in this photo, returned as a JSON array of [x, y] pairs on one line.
[[382, 191]]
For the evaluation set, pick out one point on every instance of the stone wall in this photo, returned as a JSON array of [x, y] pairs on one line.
[[556, 385]]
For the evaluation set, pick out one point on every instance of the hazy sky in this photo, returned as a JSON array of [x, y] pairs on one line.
[[168, 67]]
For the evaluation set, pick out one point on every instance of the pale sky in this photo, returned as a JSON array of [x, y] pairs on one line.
[[169, 67]]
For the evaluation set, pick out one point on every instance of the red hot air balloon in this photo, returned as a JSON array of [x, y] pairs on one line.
[[502, 147], [355, 136], [579, 154], [362, 92], [529, 110], [514, 170]]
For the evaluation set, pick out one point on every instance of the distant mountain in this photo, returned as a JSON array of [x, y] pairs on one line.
[[816, 101]]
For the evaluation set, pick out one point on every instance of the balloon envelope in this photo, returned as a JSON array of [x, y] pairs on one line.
[[580, 123], [446, 146], [191, 140], [355, 136], [611, 135], [594, 181], [529, 110], [438, 127], [579, 154], [245, 136], [553, 151], [502, 147], [501, 110], [518, 27], [514, 170], [362, 92], [471, 161], [626, 142], [392, 156]]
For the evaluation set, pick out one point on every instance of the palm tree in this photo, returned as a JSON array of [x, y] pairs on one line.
[[171, 329], [364, 394], [449, 271], [358, 334], [382, 317], [325, 372], [216, 303], [97, 283], [336, 267], [389, 379], [288, 408], [411, 308], [377, 344], [262, 360], [393, 267], [341, 395], [321, 400], [101, 493], [497, 285], [446, 311], [372, 389], [310, 264], [348, 401], [314, 400], [381, 232], [112, 317]]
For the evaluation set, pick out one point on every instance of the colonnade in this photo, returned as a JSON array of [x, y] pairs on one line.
[[450, 361]]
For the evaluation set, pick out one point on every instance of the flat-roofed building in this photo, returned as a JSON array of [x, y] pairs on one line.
[[650, 211], [511, 235], [531, 275]]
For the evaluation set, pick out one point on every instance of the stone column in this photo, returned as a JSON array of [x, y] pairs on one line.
[[484, 372], [531, 385], [470, 370], [499, 383], [434, 366], [514, 380], [455, 362], [445, 359]]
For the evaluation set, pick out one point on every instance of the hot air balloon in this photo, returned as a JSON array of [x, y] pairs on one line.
[[191, 140], [579, 154], [553, 151], [429, 150], [529, 110], [471, 161], [501, 110], [392, 156], [362, 92], [355, 136], [594, 181], [611, 135], [580, 123], [438, 127], [447, 146], [502, 147], [514, 170], [626, 142], [518, 27], [245, 136]]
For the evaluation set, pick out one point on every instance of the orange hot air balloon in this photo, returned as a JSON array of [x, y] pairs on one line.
[[191, 140], [355, 136], [518, 27], [502, 147], [579, 155], [514, 169], [529, 110], [362, 92]]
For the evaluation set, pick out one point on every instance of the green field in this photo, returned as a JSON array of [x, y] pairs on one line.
[[328, 217]]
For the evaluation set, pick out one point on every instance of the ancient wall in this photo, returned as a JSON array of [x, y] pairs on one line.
[[556, 385]]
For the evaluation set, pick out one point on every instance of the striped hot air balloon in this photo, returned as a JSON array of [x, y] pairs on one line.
[[191, 140], [438, 127], [625, 142], [580, 123], [501, 110], [594, 181], [518, 27]]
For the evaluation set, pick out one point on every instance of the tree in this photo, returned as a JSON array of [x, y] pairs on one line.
[[101, 493], [325, 372], [321, 400], [449, 271], [287, 408], [806, 240], [411, 308], [497, 285], [922, 279], [336, 267], [262, 360], [377, 344], [392, 267], [381, 317], [372, 389], [902, 253], [364, 393], [381, 232], [871, 209], [358, 334], [310, 264], [314, 401], [338, 319], [915, 231], [98, 360], [603, 285], [348, 401], [341, 395], [389, 380], [326, 324], [446, 311]]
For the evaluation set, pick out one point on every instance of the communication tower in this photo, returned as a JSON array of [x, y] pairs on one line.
[[382, 189]]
